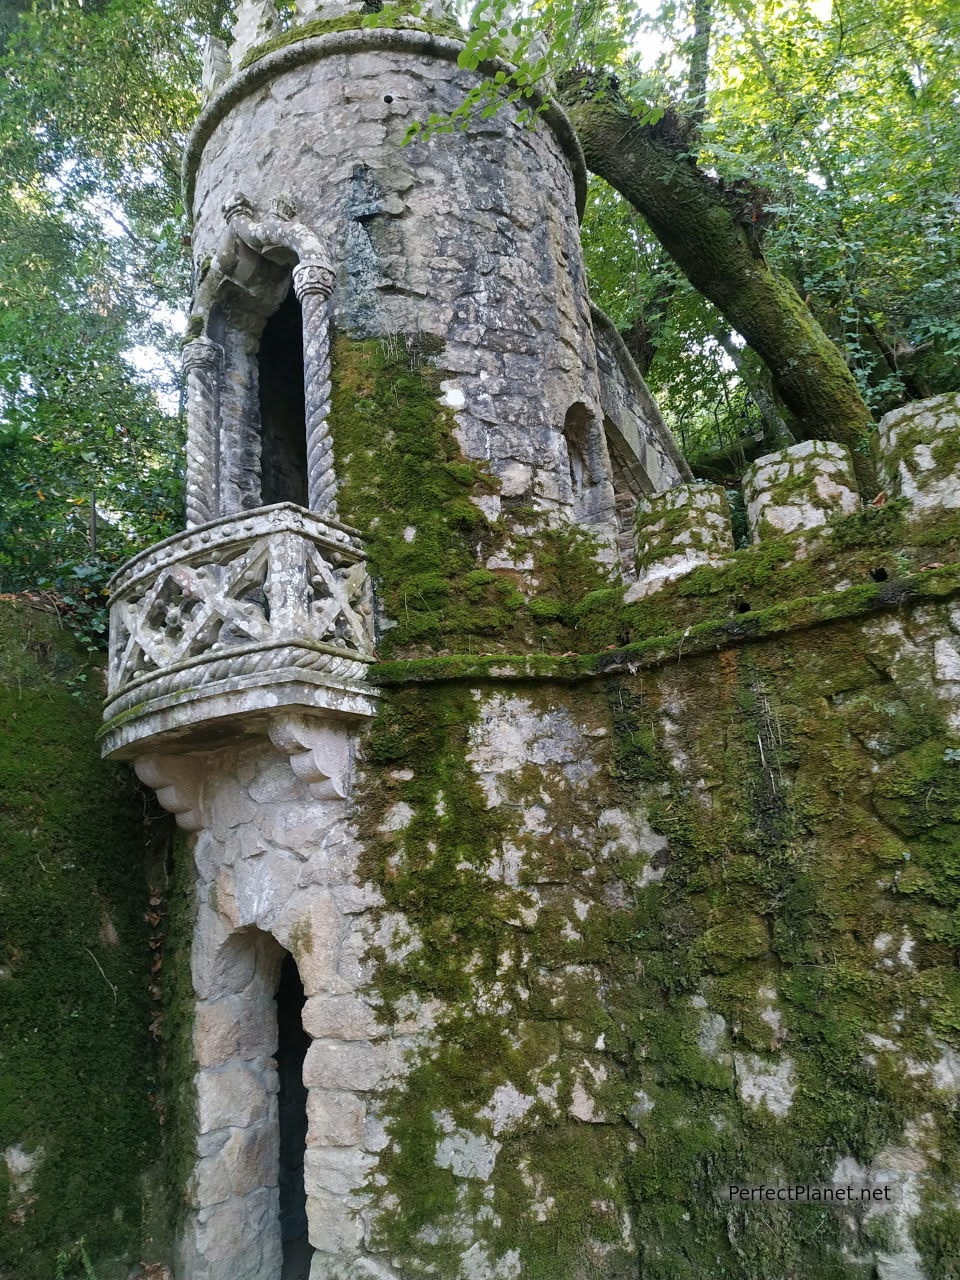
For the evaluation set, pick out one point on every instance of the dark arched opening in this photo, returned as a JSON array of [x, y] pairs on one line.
[[283, 434], [292, 1045]]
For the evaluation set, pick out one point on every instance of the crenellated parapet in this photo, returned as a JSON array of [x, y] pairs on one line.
[[799, 489], [678, 531], [920, 449], [798, 498]]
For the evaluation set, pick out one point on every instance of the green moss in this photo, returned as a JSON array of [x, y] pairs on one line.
[[404, 481], [802, 806], [390, 17], [935, 1235], [78, 1070], [173, 982], [912, 434], [672, 646], [659, 524]]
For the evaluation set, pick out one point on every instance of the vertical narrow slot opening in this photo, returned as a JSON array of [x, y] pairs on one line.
[[292, 1045], [283, 458]]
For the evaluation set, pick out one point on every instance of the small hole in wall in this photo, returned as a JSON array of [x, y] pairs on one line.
[[879, 575], [388, 97], [743, 606]]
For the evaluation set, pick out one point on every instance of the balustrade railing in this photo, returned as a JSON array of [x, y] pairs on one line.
[[264, 609]]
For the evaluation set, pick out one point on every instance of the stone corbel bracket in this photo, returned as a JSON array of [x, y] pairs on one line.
[[321, 753], [178, 782]]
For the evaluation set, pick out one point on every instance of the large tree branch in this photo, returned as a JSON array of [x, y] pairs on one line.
[[715, 242]]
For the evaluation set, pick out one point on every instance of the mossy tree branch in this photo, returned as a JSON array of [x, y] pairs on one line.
[[715, 242]]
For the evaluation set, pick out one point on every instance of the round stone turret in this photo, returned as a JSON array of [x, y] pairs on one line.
[[469, 237]]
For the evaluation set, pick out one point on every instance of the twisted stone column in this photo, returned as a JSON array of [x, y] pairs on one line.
[[313, 282], [202, 365]]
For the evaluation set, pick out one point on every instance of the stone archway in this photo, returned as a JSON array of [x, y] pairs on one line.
[[249, 1208]]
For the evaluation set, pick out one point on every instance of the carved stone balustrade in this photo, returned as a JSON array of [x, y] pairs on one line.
[[225, 628]]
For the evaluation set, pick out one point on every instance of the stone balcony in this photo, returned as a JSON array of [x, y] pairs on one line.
[[221, 630]]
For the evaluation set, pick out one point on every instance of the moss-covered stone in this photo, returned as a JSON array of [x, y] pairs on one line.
[[405, 483], [395, 17], [760, 989], [78, 1081]]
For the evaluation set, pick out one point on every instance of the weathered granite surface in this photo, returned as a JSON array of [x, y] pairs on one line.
[[471, 237], [798, 489], [920, 449]]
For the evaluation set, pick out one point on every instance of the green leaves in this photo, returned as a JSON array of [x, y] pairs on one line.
[[93, 107]]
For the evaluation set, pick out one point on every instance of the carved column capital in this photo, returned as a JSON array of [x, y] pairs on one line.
[[202, 353], [312, 279], [238, 206], [284, 207], [320, 752]]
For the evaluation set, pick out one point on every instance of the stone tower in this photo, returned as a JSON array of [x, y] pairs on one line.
[[552, 861], [327, 252]]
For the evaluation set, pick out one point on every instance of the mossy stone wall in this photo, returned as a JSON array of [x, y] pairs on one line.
[[77, 1064], [681, 928]]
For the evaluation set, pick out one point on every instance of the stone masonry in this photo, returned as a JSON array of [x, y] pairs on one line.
[[526, 897]]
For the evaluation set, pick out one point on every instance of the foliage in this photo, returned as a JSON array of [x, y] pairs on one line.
[[835, 125], [76, 1062], [836, 121], [93, 107]]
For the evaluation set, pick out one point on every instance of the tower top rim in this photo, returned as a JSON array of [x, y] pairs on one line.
[[361, 40]]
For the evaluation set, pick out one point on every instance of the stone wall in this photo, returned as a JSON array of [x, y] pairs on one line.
[[596, 934], [470, 238], [276, 870], [79, 1072], [676, 928], [635, 429]]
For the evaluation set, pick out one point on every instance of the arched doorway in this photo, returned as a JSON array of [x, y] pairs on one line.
[[249, 1220]]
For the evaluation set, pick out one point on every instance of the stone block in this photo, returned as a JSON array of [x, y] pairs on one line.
[[235, 1095], [339, 1018], [678, 531], [238, 1239], [335, 1118], [797, 490], [328, 1266], [234, 1026], [311, 928], [229, 805], [338, 1170], [263, 886], [334, 1225], [244, 1160], [920, 452], [219, 968], [332, 1064]]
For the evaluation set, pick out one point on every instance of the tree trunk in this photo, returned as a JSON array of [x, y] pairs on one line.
[[712, 236]]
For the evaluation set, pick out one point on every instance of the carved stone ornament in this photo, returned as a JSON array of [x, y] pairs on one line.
[[321, 753], [238, 207], [177, 780], [202, 353], [232, 623], [284, 207], [256, 21], [313, 278], [216, 66]]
